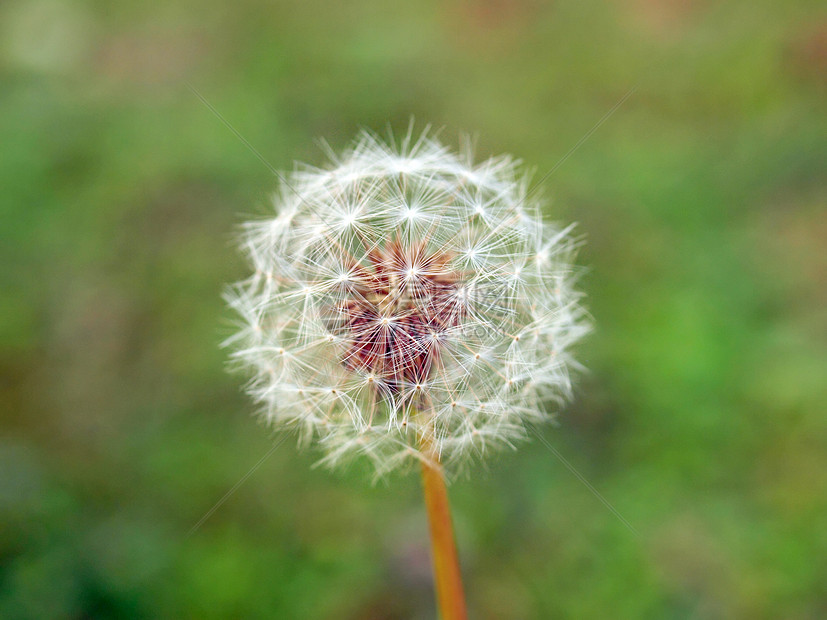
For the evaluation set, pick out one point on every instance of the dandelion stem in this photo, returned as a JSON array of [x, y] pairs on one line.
[[447, 576]]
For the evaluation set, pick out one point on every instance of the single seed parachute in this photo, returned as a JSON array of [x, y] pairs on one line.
[[407, 304]]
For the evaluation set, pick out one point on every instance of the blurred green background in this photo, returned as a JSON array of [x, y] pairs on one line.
[[703, 419]]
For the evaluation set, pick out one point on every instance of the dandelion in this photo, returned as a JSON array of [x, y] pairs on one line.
[[408, 305]]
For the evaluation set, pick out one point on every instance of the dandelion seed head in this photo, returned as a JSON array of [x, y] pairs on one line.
[[406, 302]]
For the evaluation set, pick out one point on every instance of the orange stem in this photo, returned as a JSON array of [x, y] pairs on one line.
[[447, 576]]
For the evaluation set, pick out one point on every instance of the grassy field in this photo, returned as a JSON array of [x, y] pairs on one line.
[[703, 198]]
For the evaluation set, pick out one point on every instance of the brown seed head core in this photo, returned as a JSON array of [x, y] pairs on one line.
[[395, 313]]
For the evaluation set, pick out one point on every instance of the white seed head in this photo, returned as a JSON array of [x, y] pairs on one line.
[[407, 304]]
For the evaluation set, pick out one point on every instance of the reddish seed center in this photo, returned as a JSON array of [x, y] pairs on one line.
[[396, 313]]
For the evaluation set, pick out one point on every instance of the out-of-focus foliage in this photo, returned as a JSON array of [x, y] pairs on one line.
[[702, 420]]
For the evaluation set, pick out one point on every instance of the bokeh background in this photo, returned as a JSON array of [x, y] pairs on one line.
[[702, 421]]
